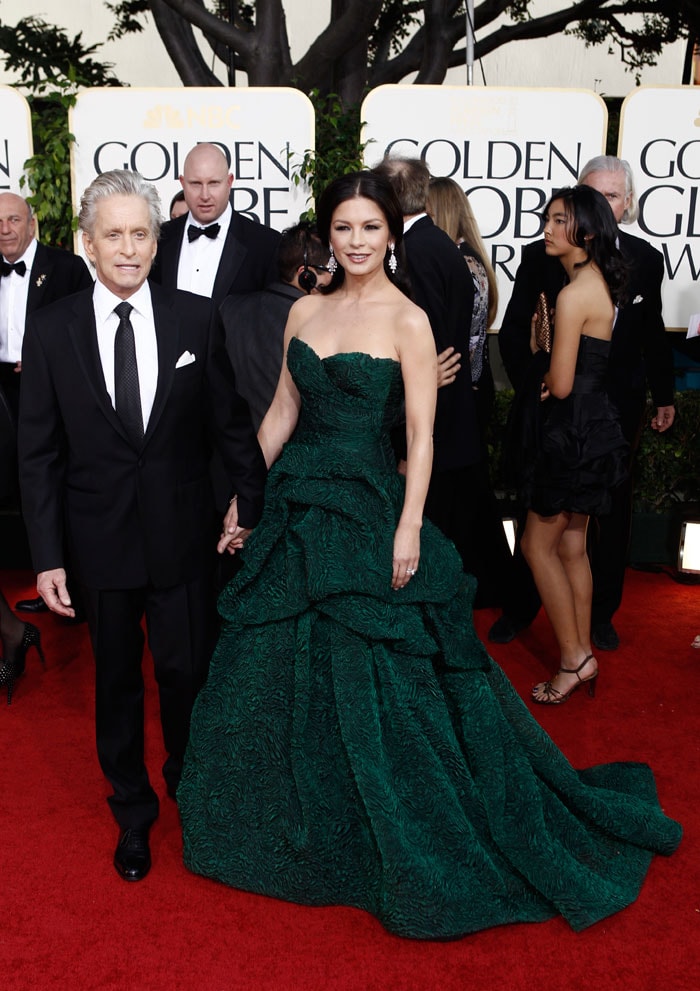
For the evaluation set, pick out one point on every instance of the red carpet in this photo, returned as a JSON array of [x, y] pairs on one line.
[[69, 922]]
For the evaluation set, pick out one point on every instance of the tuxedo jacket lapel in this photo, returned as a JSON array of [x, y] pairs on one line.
[[168, 340], [231, 260], [83, 333], [38, 278], [170, 259]]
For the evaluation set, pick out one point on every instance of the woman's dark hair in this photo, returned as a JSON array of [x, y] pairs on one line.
[[372, 187], [591, 226]]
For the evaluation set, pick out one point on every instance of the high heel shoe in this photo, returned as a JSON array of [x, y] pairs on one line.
[[13, 667], [552, 695]]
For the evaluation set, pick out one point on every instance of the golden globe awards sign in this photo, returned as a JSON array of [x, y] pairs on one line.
[[263, 133], [509, 149], [15, 140], [660, 138]]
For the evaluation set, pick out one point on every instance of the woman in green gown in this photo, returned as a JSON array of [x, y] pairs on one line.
[[354, 743]]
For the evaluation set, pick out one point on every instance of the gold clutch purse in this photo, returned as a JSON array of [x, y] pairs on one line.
[[543, 327]]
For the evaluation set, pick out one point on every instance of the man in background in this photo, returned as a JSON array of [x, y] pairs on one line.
[[255, 323], [459, 499], [32, 275], [212, 250]]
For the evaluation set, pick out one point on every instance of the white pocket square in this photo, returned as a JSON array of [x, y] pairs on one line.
[[638, 299], [186, 358]]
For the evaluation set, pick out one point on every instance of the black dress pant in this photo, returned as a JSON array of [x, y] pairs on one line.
[[181, 624]]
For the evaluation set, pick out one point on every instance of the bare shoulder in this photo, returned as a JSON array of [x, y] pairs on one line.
[[307, 304], [413, 329]]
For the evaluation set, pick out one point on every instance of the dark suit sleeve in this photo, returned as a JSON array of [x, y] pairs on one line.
[[41, 442], [657, 348], [514, 335], [232, 430]]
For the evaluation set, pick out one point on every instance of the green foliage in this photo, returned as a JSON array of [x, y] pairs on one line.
[[48, 170], [397, 20], [125, 15], [52, 67], [43, 55], [667, 466], [338, 146]]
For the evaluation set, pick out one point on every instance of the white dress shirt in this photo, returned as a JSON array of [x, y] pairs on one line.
[[408, 224], [199, 260], [145, 341], [14, 290]]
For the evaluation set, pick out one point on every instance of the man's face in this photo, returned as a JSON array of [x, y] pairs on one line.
[[613, 187], [207, 183], [16, 226], [122, 246]]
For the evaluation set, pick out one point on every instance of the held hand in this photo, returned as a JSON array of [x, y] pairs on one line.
[[18, 367], [233, 536], [233, 539], [544, 392], [406, 555], [448, 364], [51, 586], [664, 418]]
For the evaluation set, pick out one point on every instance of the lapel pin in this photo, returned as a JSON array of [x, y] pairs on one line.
[[40, 281]]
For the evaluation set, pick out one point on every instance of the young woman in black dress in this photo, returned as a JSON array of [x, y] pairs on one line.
[[582, 452]]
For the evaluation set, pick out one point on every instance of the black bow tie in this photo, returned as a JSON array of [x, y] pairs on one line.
[[7, 267], [194, 232]]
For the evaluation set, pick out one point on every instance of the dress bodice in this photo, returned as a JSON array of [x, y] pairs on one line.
[[591, 365], [350, 402]]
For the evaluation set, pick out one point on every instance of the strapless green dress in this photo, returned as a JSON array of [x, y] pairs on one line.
[[355, 745]]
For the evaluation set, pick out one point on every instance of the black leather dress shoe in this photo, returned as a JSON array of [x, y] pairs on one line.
[[132, 858], [505, 629], [31, 605], [604, 637]]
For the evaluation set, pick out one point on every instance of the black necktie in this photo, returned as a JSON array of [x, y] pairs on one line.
[[19, 267], [127, 398], [194, 232]]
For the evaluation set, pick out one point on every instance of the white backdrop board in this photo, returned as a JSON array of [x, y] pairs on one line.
[[660, 138], [509, 149], [264, 132], [15, 140]]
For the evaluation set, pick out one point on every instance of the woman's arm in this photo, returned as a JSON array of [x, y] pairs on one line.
[[569, 319], [419, 370], [281, 418]]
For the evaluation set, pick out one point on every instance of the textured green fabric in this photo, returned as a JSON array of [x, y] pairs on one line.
[[356, 745]]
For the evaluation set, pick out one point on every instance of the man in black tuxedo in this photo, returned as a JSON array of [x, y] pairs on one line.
[[212, 250], [31, 276], [255, 322], [459, 492], [125, 388], [640, 353]]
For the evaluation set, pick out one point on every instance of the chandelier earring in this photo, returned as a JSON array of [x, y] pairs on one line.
[[332, 263], [393, 264]]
